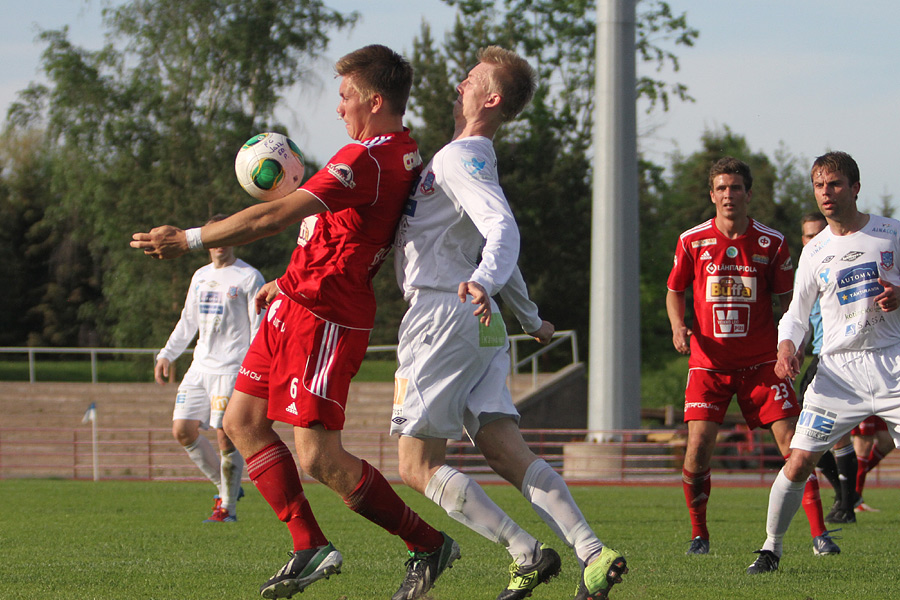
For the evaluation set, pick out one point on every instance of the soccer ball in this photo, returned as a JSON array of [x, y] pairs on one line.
[[269, 166]]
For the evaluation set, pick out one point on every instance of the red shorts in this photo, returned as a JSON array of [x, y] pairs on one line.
[[763, 397], [870, 426], [302, 365]]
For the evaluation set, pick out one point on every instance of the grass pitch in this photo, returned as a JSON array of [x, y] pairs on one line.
[[87, 540]]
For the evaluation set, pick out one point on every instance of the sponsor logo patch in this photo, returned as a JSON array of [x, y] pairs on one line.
[[730, 320], [702, 243], [851, 256], [342, 173], [816, 423]]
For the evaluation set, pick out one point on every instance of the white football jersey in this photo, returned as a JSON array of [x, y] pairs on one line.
[[457, 226], [220, 307], [843, 271]]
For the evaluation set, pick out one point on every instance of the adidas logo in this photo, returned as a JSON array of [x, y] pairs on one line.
[[706, 255], [787, 404], [292, 408]]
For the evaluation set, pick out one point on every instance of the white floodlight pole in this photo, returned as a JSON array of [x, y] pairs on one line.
[[614, 363]]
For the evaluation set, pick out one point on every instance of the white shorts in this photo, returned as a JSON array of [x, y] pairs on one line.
[[452, 372], [847, 388], [203, 397]]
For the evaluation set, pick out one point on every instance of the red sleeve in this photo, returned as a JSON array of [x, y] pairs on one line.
[[682, 274], [783, 270], [349, 179]]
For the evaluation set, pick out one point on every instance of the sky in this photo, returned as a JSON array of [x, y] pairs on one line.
[[807, 75]]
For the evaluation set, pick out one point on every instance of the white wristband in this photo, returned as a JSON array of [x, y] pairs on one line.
[[193, 238]]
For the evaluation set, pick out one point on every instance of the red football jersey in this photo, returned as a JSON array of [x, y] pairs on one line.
[[733, 283], [364, 187]]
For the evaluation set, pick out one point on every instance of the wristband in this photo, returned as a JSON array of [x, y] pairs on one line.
[[193, 238]]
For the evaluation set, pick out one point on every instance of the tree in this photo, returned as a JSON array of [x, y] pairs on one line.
[[144, 132]]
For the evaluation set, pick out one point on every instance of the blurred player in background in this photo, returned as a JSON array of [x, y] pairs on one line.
[[458, 238], [734, 265], [872, 442], [221, 306], [316, 330], [847, 268], [838, 465]]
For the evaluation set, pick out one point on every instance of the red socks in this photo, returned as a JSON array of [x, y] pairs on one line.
[[696, 493], [275, 475], [376, 500], [812, 505]]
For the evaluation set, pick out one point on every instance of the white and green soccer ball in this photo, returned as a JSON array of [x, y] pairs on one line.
[[269, 166]]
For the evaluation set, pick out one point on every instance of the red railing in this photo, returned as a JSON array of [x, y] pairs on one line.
[[633, 456]]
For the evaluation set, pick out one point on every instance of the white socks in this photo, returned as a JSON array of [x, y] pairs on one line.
[[206, 458], [231, 472], [465, 501], [550, 497], [785, 498]]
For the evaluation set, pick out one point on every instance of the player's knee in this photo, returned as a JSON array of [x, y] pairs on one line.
[[184, 434]]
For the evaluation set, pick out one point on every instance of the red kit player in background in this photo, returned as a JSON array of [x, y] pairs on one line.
[[734, 265], [316, 330]]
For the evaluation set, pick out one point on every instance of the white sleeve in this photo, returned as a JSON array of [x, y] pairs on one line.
[[478, 192], [515, 293], [254, 284], [185, 329], [795, 322]]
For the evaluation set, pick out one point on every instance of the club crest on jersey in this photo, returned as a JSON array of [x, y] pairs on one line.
[[732, 252], [475, 168], [233, 292], [764, 241], [342, 173], [887, 259], [427, 185]]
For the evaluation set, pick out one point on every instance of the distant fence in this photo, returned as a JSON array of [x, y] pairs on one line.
[[560, 339], [637, 456]]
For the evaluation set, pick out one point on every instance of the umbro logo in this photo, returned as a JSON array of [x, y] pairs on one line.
[[292, 408]]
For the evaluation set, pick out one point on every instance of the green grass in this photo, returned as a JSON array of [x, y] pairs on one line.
[[144, 540]]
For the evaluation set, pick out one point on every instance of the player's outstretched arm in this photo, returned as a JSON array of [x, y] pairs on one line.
[[252, 223]]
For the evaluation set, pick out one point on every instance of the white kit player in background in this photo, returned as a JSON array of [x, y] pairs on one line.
[[458, 238], [220, 306], [851, 268]]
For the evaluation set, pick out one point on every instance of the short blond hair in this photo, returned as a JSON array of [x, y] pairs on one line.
[[513, 78]]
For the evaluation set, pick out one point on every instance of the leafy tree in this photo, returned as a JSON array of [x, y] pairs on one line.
[[144, 132]]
